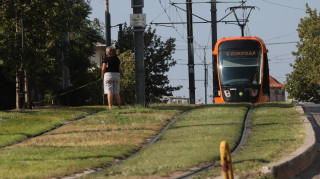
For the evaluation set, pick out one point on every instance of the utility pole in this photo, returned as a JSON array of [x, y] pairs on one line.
[[242, 22], [137, 20], [108, 24], [108, 36], [205, 76], [120, 33], [192, 95], [214, 41]]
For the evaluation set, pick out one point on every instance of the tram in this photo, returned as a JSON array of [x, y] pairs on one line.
[[242, 70]]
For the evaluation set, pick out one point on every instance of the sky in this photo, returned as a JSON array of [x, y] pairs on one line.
[[274, 21]]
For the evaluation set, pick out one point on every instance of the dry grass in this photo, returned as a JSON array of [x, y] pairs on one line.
[[89, 143]]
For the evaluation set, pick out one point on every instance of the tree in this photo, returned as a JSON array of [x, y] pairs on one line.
[[45, 25], [127, 91], [158, 60], [304, 81]]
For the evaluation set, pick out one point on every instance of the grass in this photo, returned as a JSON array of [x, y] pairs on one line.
[[105, 137], [192, 141], [16, 126], [95, 141], [275, 132]]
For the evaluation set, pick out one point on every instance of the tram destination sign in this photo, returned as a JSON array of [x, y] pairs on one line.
[[239, 53]]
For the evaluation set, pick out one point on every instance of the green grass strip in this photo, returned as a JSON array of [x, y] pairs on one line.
[[93, 142], [275, 131], [192, 141], [16, 126]]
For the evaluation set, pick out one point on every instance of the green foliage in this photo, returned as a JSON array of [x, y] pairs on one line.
[[157, 59], [50, 28], [304, 82], [127, 91]]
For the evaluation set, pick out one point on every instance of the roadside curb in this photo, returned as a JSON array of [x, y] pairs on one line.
[[298, 160]]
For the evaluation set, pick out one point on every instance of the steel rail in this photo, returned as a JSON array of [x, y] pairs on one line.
[[242, 140], [155, 139]]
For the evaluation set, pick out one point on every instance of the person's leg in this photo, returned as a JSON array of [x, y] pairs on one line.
[[118, 100], [110, 100]]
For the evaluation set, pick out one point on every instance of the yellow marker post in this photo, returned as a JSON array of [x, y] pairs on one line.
[[226, 161]]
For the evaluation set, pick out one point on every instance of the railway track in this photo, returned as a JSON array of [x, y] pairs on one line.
[[185, 175], [136, 153], [193, 173]]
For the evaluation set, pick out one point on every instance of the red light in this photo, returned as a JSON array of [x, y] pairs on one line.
[[254, 92]]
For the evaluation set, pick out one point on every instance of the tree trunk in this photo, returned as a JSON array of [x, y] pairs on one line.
[[27, 104], [17, 90]]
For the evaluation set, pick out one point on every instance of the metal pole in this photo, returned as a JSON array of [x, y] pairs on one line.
[[139, 55], [108, 24], [214, 41], [205, 76], [242, 30], [190, 52], [108, 36], [120, 35]]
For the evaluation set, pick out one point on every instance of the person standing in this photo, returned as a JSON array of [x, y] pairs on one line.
[[110, 73]]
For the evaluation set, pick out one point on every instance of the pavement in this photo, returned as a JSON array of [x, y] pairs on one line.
[[313, 114], [304, 163]]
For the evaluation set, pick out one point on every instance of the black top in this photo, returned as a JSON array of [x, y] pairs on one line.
[[112, 64]]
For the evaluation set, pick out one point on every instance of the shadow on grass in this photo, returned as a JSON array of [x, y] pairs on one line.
[[226, 105], [251, 160], [171, 107], [267, 124], [103, 130], [88, 109], [275, 105], [206, 125], [22, 111], [94, 157], [279, 140]]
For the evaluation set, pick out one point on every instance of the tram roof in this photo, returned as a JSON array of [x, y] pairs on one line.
[[264, 49]]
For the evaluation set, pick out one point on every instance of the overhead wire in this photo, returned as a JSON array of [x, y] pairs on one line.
[[281, 43], [195, 42], [183, 37], [290, 7], [281, 36], [171, 20]]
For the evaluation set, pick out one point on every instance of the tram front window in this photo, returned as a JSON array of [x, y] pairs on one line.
[[240, 67]]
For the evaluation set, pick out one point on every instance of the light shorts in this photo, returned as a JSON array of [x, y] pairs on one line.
[[111, 83]]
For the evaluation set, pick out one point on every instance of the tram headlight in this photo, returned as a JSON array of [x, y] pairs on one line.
[[227, 93], [254, 92]]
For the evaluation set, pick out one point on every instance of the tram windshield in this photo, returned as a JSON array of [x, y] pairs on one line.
[[240, 66]]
